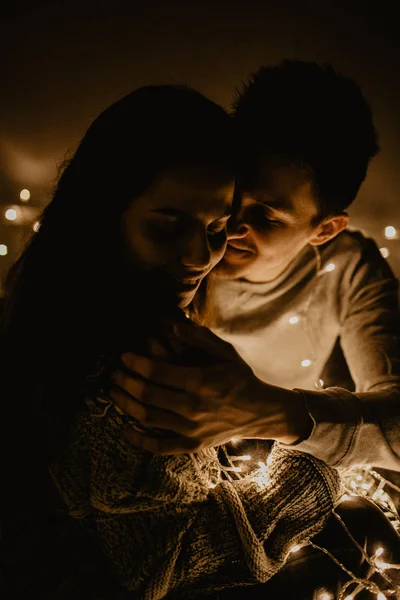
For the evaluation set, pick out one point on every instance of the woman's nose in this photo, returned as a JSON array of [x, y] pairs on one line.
[[197, 252]]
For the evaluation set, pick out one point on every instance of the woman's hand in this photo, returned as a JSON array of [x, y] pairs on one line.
[[207, 404]]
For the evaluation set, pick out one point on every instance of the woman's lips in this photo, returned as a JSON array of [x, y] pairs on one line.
[[186, 284]]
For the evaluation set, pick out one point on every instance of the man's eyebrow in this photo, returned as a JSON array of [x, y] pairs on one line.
[[278, 205]]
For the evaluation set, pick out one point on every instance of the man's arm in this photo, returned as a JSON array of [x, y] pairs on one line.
[[364, 426]]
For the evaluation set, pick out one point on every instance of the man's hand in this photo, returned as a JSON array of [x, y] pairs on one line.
[[204, 405]]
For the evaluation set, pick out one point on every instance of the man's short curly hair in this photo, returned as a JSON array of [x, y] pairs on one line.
[[313, 118]]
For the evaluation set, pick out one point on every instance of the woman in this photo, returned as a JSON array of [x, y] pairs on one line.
[[136, 223]]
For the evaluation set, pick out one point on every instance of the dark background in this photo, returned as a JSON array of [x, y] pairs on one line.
[[62, 62]]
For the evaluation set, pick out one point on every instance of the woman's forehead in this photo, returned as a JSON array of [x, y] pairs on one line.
[[195, 192]]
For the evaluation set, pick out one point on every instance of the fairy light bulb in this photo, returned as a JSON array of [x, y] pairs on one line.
[[379, 552], [295, 548], [330, 267], [11, 214], [36, 226], [24, 195], [306, 362], [385, 252], [3, 250], [381, 596], [390, 232], [293, 320]]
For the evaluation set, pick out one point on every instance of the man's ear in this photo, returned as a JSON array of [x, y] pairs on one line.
[[328, 229]]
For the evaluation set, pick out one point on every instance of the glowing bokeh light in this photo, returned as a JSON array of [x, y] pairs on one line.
[[3, 250], [306, 362], [390, 232], [24, 195], [11, 214], [385, 252]]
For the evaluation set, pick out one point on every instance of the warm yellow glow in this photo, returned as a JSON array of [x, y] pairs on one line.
[[11, 214], [306, 362], [36, 226], [24, 195], [295, 548], [390, 232], [330, 267], [379, 552], [3, 250], [385, 252], [293, 320], [325, 596]]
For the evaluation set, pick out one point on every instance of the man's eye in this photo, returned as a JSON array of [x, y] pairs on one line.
[[272, 222]]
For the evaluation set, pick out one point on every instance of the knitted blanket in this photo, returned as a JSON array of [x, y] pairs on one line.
[[165, 527]]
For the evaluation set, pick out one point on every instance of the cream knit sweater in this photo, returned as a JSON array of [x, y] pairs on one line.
[[165, 528]]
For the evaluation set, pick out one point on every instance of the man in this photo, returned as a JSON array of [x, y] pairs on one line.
[[298, 295]]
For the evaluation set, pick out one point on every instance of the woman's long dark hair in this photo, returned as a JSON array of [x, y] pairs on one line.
[[68, 294]]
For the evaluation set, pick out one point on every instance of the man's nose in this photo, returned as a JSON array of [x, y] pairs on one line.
[[237, 228], [197, 252]]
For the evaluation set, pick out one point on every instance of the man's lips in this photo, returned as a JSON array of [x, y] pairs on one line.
[[239, 248]]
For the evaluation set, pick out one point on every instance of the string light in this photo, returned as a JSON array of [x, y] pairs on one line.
[[293, 320], [306, 362], [11, 214], [385, 252], [36, 226], [295, 548], [24, 195], [390, 232], [3, 250], [330, 267]]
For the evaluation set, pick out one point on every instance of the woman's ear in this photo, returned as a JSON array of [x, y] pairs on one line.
[[329, 228]]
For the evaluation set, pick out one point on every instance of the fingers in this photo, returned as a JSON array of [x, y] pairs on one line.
[[129, 391], [151, 416], [158, 445], [162, 373], [202, 337]]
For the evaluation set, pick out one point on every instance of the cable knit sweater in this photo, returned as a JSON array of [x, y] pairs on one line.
[[165, 528]]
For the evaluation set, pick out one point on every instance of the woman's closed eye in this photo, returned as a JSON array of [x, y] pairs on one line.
[[218, 227], [168, 225]]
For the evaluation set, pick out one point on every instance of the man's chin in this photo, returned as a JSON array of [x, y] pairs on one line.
[[227, 270]]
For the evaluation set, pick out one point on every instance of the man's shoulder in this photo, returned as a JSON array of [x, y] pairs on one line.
[[354, 242], [352, 247], [357, 259]]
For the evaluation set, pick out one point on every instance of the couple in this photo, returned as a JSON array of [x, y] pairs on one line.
[[137, 221]]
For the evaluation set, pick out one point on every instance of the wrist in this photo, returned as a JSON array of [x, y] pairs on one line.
[[281, 414]]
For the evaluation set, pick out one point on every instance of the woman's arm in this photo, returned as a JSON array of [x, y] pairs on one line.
[[165, 527]]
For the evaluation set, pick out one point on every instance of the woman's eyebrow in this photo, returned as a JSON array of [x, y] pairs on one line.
[[177, 212]]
